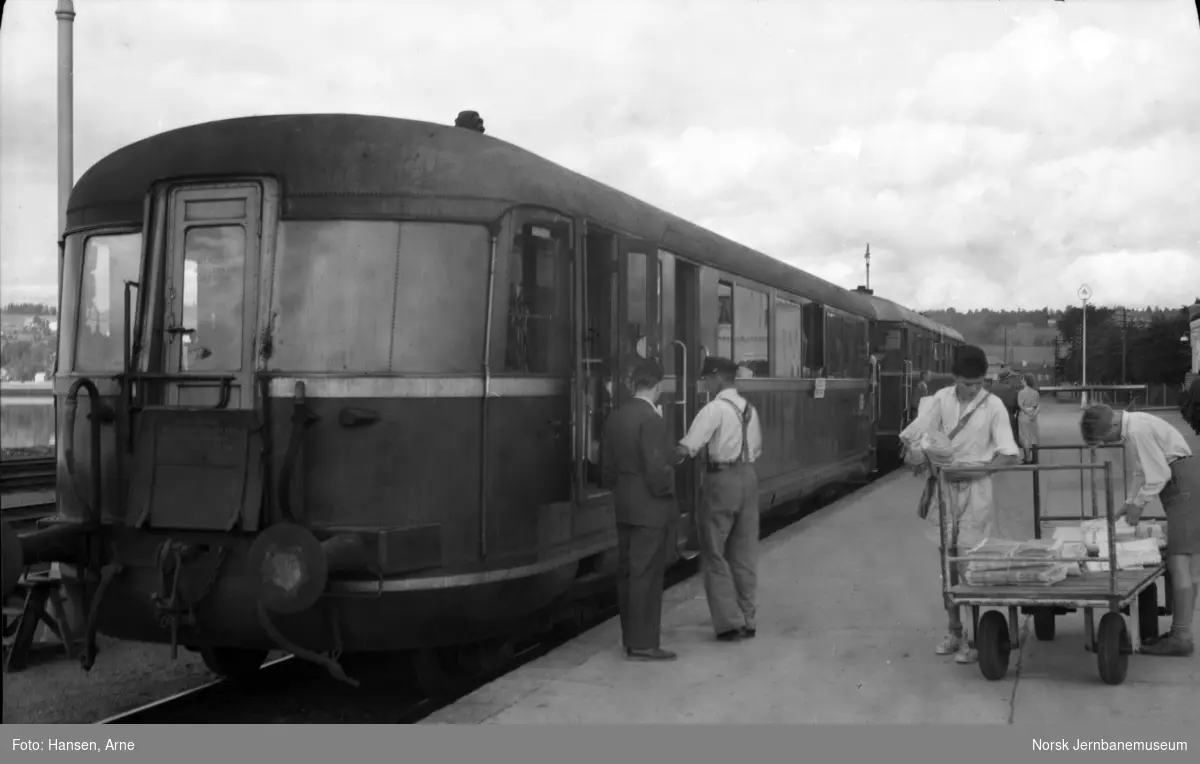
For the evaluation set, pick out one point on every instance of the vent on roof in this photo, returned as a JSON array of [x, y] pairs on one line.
[[469, 120]]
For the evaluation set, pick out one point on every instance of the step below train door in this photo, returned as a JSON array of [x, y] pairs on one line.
[[198, 451]]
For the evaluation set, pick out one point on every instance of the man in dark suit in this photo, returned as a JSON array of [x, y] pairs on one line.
[[636, 466]]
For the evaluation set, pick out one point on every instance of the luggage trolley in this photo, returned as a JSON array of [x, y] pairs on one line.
[[1114, 590]]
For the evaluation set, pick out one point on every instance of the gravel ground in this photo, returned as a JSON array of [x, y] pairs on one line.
[[53, 689]]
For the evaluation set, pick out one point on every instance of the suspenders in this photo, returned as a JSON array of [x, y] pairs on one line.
[[744, 416]]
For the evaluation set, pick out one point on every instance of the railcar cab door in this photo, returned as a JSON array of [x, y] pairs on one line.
[[196, 453]]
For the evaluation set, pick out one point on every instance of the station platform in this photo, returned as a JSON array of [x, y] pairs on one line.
[[849, 612]]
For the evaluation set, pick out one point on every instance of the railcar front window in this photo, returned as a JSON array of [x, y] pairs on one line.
[[214, 268], [108, 262]]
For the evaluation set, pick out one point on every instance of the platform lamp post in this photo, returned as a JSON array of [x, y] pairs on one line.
[[1085, 294]]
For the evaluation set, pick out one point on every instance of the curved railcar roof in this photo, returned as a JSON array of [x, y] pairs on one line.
[[398, 164], [886, 310]]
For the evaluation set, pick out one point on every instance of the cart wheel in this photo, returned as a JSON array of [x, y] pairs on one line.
[[1112, 648], [993, 645], [1043, 624], [1148, 613]]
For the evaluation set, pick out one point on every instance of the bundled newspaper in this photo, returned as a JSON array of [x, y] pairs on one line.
[[1039, 565]]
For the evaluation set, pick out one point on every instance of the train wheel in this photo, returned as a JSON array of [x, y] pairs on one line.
[[1148, 613], [1112, 649], [993, 645], [1043, 624], [493, 656], [439, 670], [235, 663]]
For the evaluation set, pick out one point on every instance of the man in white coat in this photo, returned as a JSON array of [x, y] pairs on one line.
[[977, 425]]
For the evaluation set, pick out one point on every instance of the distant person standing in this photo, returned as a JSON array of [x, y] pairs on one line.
[[1191, 406], [636, 463], [1006, 389], [1029, 405], [728, 519]]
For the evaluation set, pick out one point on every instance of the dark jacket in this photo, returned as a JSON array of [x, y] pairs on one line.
[[1006, 390], [637, 467], [1191, 406]]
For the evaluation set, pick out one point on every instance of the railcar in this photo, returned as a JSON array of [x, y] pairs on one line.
[[335, 384], [903, 344]]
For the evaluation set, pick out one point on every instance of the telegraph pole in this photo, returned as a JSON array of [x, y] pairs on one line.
[[867, 257], [1124, 334]]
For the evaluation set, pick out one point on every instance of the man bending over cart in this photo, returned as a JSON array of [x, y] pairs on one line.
[[1163, 467], [976, 423]]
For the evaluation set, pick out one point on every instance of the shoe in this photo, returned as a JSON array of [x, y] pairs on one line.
[[732, 635], [966, 654], [748, 632], [655, 654], [949, 645], [1171, 645]]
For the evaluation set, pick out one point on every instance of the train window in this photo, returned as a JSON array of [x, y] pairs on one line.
[[724, 319], [637, 302], [538, 339], [433, 333], [214, 268], [666, 308], [855, 347], [789, 356], [335, 288], [108, 262], [835, 359], [814, 340], [751, 330]]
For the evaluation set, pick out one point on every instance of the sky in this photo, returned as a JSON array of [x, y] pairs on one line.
[[993, 154]]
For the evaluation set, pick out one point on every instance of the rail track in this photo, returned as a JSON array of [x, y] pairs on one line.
[[27, 473], [290, 690]]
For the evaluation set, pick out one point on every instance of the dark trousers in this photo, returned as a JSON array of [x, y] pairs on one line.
[[641, 562]]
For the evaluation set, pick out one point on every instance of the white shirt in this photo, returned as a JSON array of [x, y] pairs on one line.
[[985, 435], [1156, 443], [719, 427]]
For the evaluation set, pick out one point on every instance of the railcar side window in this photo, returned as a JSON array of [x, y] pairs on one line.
[[724, 319], [108, 262], [441, 299], [214, 265], [751, 324], [835, 359], [814, 340], [538, 339], [335, 287], [367, 296], [666, 309], [855, 347], [637, 303], [789, 357]]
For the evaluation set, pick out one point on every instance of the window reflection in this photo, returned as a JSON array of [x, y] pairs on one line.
[[788, 339], [108, 262], [213, 288], [367, 296], [751, 310]]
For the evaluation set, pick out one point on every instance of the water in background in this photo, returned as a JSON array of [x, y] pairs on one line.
[[26, 423]]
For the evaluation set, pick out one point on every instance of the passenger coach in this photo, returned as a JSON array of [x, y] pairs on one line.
[[905, 343], [351, 374]]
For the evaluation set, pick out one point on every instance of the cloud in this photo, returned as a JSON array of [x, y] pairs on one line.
[[991, 153]]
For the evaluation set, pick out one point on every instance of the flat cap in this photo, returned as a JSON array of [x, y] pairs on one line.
[[717, 365]]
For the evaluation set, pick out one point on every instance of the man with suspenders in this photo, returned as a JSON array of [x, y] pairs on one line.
[[727, 521]]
